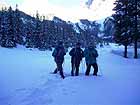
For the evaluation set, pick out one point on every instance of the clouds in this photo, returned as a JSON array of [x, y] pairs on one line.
[[68, 9], [31, 6], [3, 4], [89, 3], [102, 8]]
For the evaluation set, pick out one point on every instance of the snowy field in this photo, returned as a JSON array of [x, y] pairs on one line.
[[25, 79]]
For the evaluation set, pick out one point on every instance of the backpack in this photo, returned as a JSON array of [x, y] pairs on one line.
[[59, 52], [93, 53]]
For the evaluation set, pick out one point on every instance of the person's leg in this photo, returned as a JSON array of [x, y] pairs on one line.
[[95, 66], [77, 68], [59, 66], [62, 74], [88, 69], [73, 67], [56, 70]]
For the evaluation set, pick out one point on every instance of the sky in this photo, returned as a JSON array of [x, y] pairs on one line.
[[69, 10]]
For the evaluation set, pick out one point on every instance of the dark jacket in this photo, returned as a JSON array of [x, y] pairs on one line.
[[58, 54], [90, 55], [76, 55]]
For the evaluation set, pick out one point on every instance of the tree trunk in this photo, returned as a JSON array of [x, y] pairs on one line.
[[125, 51], [136, 33], [135, 49]]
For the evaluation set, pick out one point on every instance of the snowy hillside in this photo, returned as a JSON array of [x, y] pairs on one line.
[[25, 79]]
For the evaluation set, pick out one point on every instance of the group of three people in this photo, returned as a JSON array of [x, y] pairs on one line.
[[76, 53]]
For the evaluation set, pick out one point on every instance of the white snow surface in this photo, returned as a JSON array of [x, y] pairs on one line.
[[25, 79]]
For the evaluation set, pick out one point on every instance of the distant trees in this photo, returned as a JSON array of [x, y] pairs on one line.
[[2, 28], [126, 23], [88, 31], [10, 28], [18, 28], [7, 28], [109, 28], [37, 33]]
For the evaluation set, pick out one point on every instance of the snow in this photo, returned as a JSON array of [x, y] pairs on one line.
[[25, 79], [76, 28], [82, 26]]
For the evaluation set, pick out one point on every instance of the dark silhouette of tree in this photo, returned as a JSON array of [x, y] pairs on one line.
[[122, 24], [18, 26]]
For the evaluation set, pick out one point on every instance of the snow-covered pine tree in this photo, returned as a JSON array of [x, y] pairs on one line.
[[37, 32], [44, 37], [28, 37], [134, 12], [3, 28], [122, 24], [108, 29], [52, 34], [10, 37], [18, 26], [72, 36], [47, 24], [0, 26]]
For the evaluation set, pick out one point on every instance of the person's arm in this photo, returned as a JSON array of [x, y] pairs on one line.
[[64, 52], [96, 53], [71, 52], [54, 53], [82, 53], [85, 52]]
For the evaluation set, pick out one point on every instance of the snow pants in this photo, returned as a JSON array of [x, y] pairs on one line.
[[75, 68], [95, 66], [59, 68]]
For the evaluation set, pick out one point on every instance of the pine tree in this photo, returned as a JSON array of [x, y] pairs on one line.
[[130, 12], [44, 44], [37, 33], [10, 38], [135, 15], [52, 35], [3, 28], [0, 26], [108, 27], [7, 29], [122, 24], [28, 37], [18, 27]]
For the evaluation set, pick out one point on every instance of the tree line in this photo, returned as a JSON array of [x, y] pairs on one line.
[[16, 27]]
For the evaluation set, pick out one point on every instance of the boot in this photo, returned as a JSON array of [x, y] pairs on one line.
[[55, 71], [63, 76], [94, 74], [72, 74]]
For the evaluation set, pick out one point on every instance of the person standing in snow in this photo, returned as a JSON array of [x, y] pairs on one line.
[[91, 54], [58, 54], [76, 56]]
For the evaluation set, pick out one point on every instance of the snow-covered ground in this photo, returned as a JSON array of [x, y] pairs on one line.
[[25, 79]]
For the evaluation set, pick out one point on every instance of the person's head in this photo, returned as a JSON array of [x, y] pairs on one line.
[[78, 44], [91, 45], [60, 43]]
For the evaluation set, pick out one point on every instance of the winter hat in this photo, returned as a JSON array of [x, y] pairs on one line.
[[78, 43], [60, 43]]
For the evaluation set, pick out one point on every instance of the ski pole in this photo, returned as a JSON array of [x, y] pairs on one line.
[[82, 65]]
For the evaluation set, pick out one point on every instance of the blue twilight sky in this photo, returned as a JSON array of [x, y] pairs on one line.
[[66, 9]]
